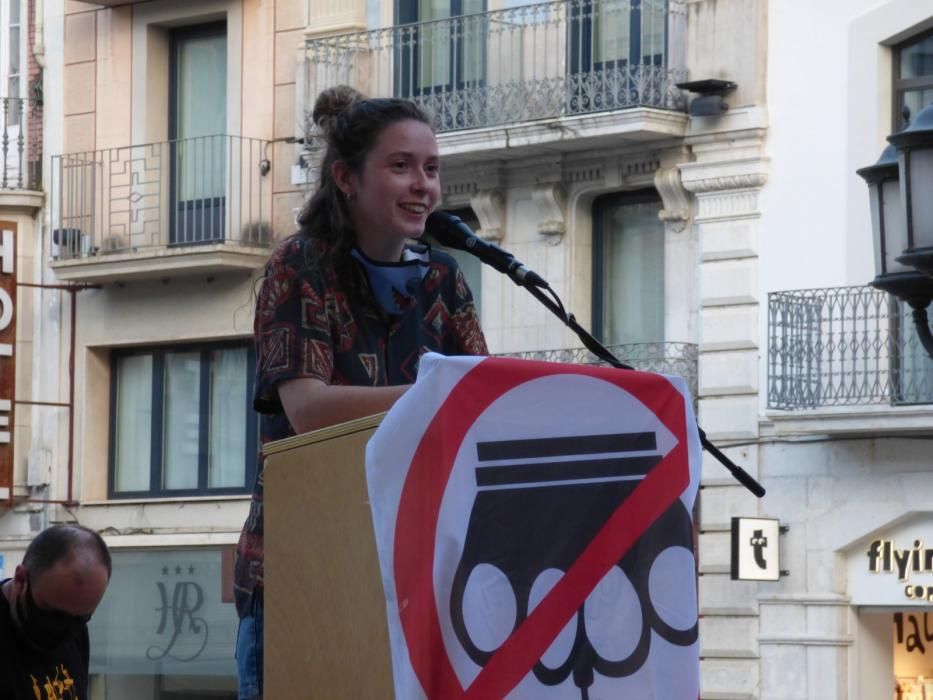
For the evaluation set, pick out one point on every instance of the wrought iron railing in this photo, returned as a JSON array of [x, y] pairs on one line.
[[20, 155], [843, 346], [524, 63], [197, 191], [666, 358]]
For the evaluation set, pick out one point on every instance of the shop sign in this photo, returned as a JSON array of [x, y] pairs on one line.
[[163, 614], [7, 346], [904, 567], [893, 566], [755, 549]]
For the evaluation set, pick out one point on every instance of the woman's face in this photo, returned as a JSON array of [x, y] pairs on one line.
[[396, 190]]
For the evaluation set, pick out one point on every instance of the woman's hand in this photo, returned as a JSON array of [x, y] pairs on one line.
[[310, 404]]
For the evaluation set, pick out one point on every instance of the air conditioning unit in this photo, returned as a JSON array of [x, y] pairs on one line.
[[72, 243]]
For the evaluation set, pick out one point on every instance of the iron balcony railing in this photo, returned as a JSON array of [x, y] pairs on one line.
[[187, 192], [843, 346], [20, 155], [665, 358], [536, 61]]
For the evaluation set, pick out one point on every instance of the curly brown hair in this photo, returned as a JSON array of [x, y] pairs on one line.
[[351, 124]]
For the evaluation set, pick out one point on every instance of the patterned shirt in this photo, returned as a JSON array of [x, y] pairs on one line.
[[310, 323]]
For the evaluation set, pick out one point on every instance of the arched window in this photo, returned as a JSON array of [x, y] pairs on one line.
[[628, 268]]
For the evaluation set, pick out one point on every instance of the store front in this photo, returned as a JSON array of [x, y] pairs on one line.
[[891, 585], [166, 629]]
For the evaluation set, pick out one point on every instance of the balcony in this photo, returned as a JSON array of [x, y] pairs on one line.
[[849, 355], [115, 3], [20, 155], [556, 74], [678, 359], [198, 205]]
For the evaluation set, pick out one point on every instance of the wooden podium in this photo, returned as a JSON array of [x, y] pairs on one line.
[[326, 634]]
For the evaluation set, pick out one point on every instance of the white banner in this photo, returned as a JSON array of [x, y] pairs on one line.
[[533, 522]]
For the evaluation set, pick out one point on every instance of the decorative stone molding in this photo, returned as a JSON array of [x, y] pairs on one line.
[[26, 202], [458, 193], [728, 182], [332, 17], [550, 199], [676, 199], [716, 176], [460, 186], [635, 168], [489, 207], [584, 172], [727, 204], [725, 189]]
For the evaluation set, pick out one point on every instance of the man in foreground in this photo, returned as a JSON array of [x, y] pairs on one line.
[[44, 646]]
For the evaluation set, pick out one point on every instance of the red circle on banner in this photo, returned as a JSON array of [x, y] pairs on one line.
[[419, 509]]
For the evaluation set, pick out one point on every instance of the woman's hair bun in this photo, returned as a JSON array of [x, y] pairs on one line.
[[330, 103]]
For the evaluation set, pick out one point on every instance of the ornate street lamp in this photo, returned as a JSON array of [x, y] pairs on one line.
[[915, 166], [900, 187]]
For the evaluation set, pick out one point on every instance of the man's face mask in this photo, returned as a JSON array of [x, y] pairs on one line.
[[45, 629]]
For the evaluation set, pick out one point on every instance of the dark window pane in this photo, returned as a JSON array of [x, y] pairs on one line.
[[181, 420], [133, 423], [228, 406], [915, 100], [201, 94], [632, 272], [917, 59], [14, 52]]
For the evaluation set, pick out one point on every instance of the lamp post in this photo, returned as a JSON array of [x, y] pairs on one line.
[[900, 188]]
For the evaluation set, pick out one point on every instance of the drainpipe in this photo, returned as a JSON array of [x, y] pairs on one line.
[[38, 39]]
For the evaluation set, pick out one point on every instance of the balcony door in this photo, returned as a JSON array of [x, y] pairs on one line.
[[198, 126], [441, 58], [614, 44]]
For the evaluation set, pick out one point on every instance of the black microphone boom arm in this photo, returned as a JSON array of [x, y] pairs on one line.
[[600, 351], [450, 231]]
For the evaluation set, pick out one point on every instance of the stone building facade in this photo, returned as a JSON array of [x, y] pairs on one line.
[[175, 150]]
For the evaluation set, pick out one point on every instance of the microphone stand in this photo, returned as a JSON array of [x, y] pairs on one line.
[[594, 346]]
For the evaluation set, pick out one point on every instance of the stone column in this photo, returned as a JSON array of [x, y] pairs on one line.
[[726, 179], [679, 249]]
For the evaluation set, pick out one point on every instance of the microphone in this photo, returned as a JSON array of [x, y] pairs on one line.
[[449, 230]]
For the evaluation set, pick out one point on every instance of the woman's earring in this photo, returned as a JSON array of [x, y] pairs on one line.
[[349, 196]]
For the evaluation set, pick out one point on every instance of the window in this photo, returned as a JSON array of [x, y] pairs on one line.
[[182, 422], [913, 77], [165, 630], [10, 62], [628, 268], [442, 50], [616, 50]]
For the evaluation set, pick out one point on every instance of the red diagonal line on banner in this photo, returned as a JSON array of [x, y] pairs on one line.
[[521, 651], [420, 505], [419, 509]]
